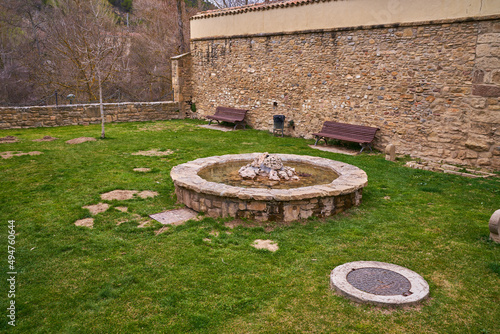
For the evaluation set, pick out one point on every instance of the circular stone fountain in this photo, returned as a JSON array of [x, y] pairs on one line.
[[266, 201]]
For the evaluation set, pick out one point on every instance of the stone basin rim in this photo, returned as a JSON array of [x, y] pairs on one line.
[[351, 178]]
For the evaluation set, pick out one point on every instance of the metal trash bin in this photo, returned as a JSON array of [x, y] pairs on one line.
[[279, 124]]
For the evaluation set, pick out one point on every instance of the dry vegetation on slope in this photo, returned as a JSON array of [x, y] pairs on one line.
[[46, 48]]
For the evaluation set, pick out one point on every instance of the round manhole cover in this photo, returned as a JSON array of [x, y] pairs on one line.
[[379, 281]]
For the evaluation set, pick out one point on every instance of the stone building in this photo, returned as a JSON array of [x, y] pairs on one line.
[[426, 72]]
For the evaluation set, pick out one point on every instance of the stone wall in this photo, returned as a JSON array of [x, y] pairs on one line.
[[181, 83], [432, 88], [84, 114]]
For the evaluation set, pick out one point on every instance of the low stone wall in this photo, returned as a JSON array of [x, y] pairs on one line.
[[267, 210], [84, 114], [432, 88]]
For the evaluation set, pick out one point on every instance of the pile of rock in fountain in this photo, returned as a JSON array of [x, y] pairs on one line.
[[270, 166]]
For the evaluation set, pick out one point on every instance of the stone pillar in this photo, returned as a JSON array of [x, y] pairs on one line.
[[390, 152], [495, 226], [181, 80]]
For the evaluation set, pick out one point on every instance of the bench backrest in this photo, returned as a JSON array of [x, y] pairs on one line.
[[360, 133], [237, 114]]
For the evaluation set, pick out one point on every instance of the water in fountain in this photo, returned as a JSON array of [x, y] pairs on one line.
[[268, 171]]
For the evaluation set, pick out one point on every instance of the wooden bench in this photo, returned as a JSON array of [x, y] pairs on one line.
[[231, 115], [361, 134]]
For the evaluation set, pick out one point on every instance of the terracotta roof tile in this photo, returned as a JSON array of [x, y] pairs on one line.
[[255, 7]]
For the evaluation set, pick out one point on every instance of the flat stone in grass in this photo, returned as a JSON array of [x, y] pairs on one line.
[[123, 195], [147, 194], [10, 154], [153, 153], [80, 140], [45, 138], [87, 222], [8, 140], [174, 217], [119, 195], [216, 127], [142, 170], [98, 208], [332, 149], [265, 244], [121, 208]]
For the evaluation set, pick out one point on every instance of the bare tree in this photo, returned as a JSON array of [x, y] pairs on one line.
[[235, 3], [77, 47], [84, 37]]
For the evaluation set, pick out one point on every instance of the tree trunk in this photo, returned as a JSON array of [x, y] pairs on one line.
[[101, 106], [182, 47]]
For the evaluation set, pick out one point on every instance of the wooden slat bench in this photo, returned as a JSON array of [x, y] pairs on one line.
[[361, 134], [231, 115]]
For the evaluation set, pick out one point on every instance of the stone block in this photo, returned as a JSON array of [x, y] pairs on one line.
[[478, 144], [484, 162], [488, 63], [291, 213], [489, 38], [390, 152], [256, 206], [214, 212], [494, 226], [478, 77], [486, 90], [304, 214]]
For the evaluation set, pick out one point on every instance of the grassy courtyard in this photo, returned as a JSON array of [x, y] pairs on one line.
[[204, 277]]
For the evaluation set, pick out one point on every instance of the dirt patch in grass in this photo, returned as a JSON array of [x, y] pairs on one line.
[[154, 127], [8, 140], [121, 208], [10, 154], [161, 230], [80, 140], [265, 244], [144, 223], [87, 222], [142, 170], [119, 195], [268, 226], [147, 194], [98, 208], [154, 153], [123, 195], [45, 138]]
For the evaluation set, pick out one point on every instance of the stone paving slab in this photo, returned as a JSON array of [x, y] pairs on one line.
[[332, 149], [216, 127], [174, 217]]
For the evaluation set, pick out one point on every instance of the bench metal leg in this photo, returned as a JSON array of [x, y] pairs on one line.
[[365, 145], [209, 122], [317, 139], [240, 123]]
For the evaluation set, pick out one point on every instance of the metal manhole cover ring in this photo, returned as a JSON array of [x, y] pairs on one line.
[[377, 281]]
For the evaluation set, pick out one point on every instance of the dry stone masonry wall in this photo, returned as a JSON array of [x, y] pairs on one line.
[[84, 114], [432, 89]]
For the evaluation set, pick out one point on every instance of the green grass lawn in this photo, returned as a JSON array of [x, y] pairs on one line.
[[123, 279]]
